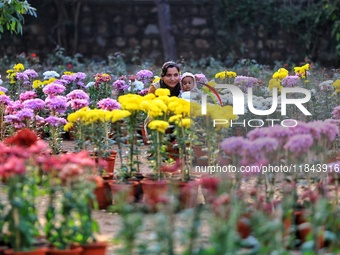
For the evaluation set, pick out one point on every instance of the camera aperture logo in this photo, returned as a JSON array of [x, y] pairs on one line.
[[238, 106]]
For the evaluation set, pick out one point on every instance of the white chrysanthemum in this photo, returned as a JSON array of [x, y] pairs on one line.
[[90, 84], [136, 85], [50, 74], [327, 85]]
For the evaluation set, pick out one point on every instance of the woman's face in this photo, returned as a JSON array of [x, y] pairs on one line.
[[172, 77]]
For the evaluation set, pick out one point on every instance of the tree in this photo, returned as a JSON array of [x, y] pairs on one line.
[[164, 21], [12, 15]]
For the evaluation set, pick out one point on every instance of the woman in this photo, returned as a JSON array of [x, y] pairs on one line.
[[170, 79]]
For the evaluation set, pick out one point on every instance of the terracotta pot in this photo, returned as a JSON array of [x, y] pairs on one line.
[[200, 155], [72, 251], [110, 161], [103, 195], [98, 248], [39, 251], [187, 194], [154, 192], [123, 192]]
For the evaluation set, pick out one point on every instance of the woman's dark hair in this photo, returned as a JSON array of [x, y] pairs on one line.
[[169, 64]]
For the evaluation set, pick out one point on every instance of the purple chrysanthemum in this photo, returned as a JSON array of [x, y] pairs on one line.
[[245, 82], [77, 94], [258, 133], [234, 145], [57, 103], [5, 100], [143, 92], [25, 114], [55, 121], [299, 144], [15, 106], [27, 75], [326, 130], [144, 76], [336, 112], [77, 104], [3, 89], [120, 85], [280, 133], [77, 78], [35, 104], [290, 80], [108, 104], [27, 95], [54, 88]]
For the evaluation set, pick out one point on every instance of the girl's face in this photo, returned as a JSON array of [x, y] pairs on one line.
[[187, 83], [172, 77]]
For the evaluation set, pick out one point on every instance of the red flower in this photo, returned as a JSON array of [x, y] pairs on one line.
[[23, 138], [132, 78], [69, 66]]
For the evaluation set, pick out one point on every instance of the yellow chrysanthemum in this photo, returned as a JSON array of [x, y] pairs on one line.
[[146, 105], [2, 93], [78, 115], [68, 73], [336, 85], [157, 79], [157, 108], [159, 125], [94, 115], [149, 96], [221, 75], [179, 106], [275, 83], [130, 102], [280, 74], [50, 80], [68, 126], [215, 111], [116, 115], [225, 74], [18, 67], [195, 109], [162, 92], [37, 84], [175, 118], [302, 70], [185, 123]]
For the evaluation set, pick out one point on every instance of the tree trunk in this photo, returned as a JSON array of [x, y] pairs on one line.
[[164, 22]]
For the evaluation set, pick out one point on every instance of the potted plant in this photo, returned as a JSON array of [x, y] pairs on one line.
[[69, 223], [19, 166]]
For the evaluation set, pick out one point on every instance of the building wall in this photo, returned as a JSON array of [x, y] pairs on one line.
[[104, 27]]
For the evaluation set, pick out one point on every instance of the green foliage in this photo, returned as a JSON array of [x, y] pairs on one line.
[[12, 15], [307, 23], [21, 219]]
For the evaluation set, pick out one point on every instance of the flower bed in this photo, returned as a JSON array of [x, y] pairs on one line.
[[269, 188]]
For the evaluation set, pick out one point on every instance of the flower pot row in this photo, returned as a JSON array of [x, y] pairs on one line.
[[98, 248], [147, 191]]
